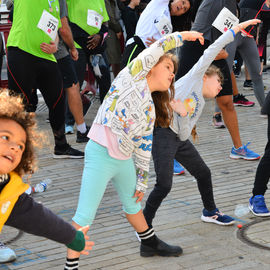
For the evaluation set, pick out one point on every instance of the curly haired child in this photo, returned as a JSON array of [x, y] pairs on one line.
[[18, 139]]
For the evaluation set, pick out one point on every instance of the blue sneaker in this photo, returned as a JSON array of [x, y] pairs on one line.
[[217, 217], [244, 152], [69, 129], [258, 207], [177, 168], [6, 254]]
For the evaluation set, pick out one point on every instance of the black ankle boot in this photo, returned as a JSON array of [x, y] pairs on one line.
[[160, 249]]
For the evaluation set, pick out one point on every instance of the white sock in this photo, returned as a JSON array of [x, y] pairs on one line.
[[82, 127]]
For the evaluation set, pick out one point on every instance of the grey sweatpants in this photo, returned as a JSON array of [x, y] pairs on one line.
[[249, 52]]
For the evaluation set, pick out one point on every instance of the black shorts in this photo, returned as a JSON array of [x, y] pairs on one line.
[[68, 72], [227, 83]]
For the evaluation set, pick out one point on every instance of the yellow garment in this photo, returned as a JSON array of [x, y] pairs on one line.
[[9, 196]]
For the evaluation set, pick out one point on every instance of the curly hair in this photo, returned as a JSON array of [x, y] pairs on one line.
[[164, 112], [12, 108]]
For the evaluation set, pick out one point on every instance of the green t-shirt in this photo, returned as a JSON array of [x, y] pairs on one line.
[[25, 33], [82, 13]]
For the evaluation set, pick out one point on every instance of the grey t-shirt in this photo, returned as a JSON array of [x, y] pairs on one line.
[[207, 13], [62, 49]]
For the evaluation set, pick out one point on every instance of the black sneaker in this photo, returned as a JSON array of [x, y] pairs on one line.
[[162, 249], [248, 84], [237, 73], [217, 121], [67, 152], [82, 137], [240, 100]]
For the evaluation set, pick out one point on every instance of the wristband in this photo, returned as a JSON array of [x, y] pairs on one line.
[[78, 242], [232, 32]]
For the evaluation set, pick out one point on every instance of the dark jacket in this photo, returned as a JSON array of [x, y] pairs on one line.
[[207, 13]]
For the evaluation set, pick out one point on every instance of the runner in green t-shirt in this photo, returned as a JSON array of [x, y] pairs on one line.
[[87, 20], [31, 63], [88, 15], [25, 32]]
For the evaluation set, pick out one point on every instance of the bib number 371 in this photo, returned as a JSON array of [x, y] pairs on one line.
[[48, 24]]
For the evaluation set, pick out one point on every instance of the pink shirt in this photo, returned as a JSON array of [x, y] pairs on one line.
[[105, 137]]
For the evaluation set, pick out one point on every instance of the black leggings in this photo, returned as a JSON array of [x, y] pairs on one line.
[[166, 148], [25, 72], [263, 170]]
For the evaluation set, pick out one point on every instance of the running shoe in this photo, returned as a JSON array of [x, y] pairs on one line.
[[258, 207], [217, 121], [160, 249], [177, 168], [69, 129], [67, 152], [248, 84], [82, 137], [244, 153], [237, 73], [240, 100], [6, 254], [216, 217]]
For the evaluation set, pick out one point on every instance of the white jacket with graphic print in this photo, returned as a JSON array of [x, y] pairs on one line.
[[128, 108]]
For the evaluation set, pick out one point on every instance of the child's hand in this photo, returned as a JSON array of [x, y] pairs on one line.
[[88, 244], [150, 41], [179, 107], [222, 55], [192, 36], [138, 194]]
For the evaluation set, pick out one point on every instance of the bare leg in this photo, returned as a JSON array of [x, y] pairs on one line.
[[225, 103], [234, 85], [137, 221], [75, 103]]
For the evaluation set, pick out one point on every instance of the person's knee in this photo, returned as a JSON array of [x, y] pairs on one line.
[[226, 103], [203, 173], [132, 208], [164, 188]]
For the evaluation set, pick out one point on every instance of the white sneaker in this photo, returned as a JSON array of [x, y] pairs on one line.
[[6, 254]]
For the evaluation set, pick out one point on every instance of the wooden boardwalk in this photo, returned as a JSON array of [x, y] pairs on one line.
[[206, 246]]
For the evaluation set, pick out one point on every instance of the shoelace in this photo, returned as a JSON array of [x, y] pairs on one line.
[[242, 97], [245, 147], [261, 202]]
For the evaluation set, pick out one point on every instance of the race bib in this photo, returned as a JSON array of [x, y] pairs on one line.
[[48, 24], [164, 26], [94, 19], [225, 20]]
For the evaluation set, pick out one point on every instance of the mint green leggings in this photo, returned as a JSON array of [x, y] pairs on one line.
[[99, 169]]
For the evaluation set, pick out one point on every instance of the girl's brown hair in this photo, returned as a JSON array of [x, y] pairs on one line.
[[164, 112], [12, 108]]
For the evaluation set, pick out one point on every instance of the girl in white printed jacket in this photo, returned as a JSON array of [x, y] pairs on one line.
[[124, 125]]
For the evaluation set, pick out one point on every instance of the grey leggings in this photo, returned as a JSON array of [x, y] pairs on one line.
[[249, 52]]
